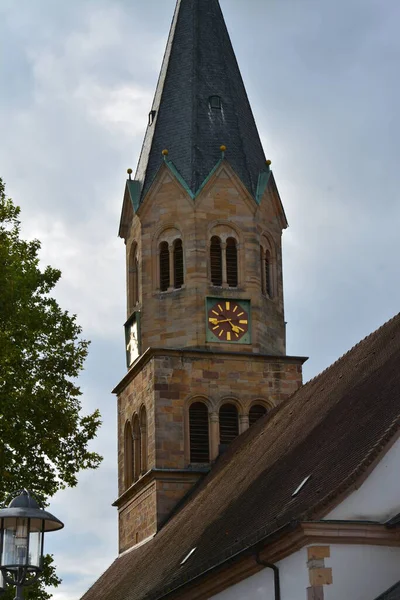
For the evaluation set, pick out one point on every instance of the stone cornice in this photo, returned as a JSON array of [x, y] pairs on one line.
[[196, 353], [166, 475]]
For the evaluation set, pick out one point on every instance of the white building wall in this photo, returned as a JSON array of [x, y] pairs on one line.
[[294, 582], [378, 499], [359, 572]]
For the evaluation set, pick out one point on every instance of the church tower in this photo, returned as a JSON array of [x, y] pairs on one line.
[[202, 222]]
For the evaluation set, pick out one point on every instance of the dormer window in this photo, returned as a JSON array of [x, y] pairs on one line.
[[152, 116], [215, 102]]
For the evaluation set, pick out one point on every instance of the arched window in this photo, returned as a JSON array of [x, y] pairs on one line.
[[164, 266], [199, 434], [228, 423], [133, 277], [178, 264], [256, 412], [216, 261], [128, 455], [268, 267], [268, 277], [143, 440], [231, 263], [137, 448]]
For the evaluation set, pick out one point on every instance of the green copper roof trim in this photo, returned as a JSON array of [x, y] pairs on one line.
[[263, 180], [134, 189], [207, 179], [179, 177]]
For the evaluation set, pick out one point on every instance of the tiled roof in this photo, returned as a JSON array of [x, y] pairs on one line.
[[199, 62], [392, 594], [333, 428]]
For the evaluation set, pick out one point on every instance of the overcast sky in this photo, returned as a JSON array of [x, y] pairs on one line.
[[77, 80]]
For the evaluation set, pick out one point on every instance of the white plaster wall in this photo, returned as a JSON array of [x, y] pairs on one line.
[[378, 498], [294, 582], [360, 572]]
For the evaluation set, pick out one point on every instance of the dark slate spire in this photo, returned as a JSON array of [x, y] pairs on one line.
[[199, 62]]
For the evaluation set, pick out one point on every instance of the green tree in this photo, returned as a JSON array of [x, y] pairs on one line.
[[43, 437]]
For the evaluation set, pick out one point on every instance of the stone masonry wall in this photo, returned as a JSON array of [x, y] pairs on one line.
[[166, 383], [138, 517], [177, 318]]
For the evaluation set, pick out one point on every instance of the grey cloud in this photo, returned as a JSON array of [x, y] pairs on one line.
[[76, 84]]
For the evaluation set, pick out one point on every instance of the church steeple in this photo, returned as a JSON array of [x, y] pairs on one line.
[[200, 103], [202, 224]]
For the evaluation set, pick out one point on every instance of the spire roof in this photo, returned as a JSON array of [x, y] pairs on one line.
[[199, 64]]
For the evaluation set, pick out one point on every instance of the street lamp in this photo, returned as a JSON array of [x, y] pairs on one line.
[[22, 527]]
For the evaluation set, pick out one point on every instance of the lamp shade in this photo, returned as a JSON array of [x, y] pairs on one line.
[[22, 525]]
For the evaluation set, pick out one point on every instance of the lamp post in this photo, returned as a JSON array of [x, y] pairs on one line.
[[22, 527]]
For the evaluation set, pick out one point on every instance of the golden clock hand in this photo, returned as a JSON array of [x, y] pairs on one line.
[[235, 328], [217, 321]]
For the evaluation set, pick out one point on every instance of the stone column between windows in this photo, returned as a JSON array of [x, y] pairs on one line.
[[171, 267], [224, 273], [214, 435], [243, 423]]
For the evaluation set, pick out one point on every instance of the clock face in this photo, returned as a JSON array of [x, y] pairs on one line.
[[228, 320], [132, 338]]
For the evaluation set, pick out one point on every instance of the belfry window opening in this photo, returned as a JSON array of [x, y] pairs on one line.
[[178, 265], [224, 269], [171, 265], [231, 263], [228, 424], [164, 266], [199, 433], [216, 261], [256, 412], [267, 272]]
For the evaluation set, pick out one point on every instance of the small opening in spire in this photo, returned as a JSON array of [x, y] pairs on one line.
[[152, 116], [215, 102]]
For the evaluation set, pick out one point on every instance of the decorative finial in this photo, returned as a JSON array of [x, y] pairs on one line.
[[129, 171], [223, 148], [165, 153], [269, 163]]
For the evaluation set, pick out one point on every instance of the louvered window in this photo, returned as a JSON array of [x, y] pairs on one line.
[[164, 266], [256, 412], [228, 423], [199, 436], [129, 456], [216, 261], [178, 264], [268, 278], [231, 263]]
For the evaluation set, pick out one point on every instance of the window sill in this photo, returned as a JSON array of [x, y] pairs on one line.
[[169, 291]]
